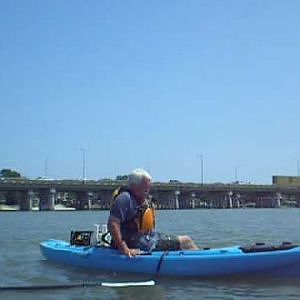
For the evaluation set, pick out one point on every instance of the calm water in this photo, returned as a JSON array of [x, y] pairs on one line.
[[22, 264]]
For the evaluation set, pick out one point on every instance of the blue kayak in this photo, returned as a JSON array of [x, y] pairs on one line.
[[282, 261]]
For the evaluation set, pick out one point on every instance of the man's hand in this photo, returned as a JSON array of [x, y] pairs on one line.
[[131, 252]]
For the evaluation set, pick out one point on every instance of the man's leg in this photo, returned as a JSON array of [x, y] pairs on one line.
[[186, 243]]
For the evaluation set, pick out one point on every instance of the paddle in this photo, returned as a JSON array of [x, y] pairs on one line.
[[83, 284]]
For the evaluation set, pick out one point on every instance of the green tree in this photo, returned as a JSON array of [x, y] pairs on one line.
[[8, 173], [122, 177]]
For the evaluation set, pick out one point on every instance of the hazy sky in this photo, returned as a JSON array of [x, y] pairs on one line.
[[150, 84]]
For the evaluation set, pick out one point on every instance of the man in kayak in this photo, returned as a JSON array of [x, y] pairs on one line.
[[132, 220]]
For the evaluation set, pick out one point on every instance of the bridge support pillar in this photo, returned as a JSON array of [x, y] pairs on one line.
[[238, 201], [193, 195], [225, 201], [230, 199], [83, 200], [185, 200], [167, 199], [26, 200], [47, 199], [278, 198], [89, 202], [176, 200]]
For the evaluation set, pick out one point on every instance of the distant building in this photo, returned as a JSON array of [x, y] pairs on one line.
[[286, 180]]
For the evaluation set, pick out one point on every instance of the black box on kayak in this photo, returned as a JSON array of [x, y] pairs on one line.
[[81, 238]]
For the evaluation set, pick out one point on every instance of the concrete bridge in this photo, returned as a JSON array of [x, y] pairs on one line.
[[85, 194]]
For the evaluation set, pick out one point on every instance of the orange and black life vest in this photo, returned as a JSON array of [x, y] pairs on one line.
[[145, 219]]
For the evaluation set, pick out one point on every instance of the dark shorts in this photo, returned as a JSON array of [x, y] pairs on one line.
[[167, 242], [157, 241]]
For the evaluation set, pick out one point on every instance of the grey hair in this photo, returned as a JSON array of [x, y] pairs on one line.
[[137, 176]]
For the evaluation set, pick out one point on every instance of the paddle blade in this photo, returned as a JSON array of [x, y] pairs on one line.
[[128, 284]]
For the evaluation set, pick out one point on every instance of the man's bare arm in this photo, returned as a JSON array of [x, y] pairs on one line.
[[115, 230]]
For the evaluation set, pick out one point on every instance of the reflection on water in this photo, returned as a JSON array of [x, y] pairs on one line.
[[21, 262]]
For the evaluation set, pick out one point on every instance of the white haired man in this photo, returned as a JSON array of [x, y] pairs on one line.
[[131, 215]]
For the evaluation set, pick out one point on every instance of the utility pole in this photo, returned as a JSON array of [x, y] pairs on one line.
[[236, 173], [46, 167], [201, 168], [202, 175], [83, 164]]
